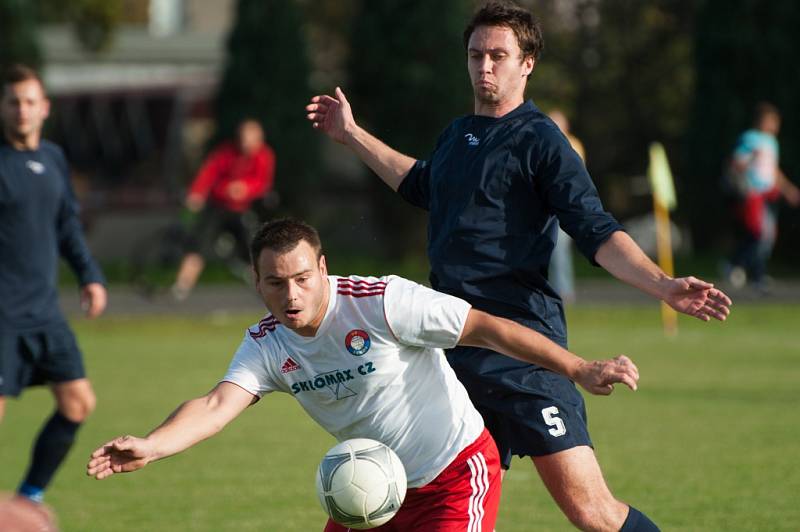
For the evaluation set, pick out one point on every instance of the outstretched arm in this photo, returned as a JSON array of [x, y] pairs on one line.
[[522, 343], [332, 115], [627, 262], [189, 424]]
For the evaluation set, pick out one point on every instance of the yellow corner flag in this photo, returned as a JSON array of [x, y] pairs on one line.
[[664, 200], [661, 177]]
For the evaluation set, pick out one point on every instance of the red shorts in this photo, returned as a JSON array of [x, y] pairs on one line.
[[463, 498]]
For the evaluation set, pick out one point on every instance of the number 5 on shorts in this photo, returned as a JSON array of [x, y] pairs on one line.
[[549, 415]]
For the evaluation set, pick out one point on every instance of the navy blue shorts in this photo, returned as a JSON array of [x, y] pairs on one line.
[[529, 410], [44, 356]]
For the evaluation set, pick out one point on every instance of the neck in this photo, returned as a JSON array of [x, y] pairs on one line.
[[22, 142], [496, 110]]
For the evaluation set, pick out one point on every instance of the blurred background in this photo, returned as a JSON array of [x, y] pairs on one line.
[[142, 89]]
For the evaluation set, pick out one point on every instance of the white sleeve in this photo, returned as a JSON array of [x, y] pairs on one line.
[[420, 316], [248, 369]]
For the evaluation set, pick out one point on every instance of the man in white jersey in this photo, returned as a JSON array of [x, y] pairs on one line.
[[363, 356]]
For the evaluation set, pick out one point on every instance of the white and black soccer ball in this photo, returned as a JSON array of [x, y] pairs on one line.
[[361, 483]]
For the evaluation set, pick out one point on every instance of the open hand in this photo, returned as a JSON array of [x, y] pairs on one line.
[[599, 376], [697, 298], [93, 299], [331, 115], [120, 455]]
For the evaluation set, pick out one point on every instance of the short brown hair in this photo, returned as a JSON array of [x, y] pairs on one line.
[[508, 14], [18, 73], [282, 236]]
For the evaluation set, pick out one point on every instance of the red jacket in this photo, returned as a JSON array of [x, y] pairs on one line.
[[226, 165]]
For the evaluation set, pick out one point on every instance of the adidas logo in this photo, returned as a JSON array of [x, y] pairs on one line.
[[289, 365]]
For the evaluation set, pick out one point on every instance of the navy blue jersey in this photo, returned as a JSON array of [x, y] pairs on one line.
[[38, 222], [496, 189]]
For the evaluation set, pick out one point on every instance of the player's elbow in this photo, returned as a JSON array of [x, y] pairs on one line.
[[480, 330]]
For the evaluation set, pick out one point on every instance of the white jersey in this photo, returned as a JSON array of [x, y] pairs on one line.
[[375, 369]]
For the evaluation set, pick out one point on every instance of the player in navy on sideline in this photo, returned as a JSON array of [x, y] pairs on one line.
[[38, 222], [497, 186]]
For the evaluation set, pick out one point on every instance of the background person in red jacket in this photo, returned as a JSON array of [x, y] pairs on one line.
[[234, 175]]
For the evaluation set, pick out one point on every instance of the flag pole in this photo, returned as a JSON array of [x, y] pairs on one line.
[[663, 201], [669, 318]]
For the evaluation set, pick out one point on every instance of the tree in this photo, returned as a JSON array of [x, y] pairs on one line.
[[408, 81], [18, 42], [624, 70], [746, 51], [266, 77]]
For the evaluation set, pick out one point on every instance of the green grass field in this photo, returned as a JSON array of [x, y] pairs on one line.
[[709, 442]]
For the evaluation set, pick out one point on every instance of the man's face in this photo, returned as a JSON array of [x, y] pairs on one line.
[[770, 123], [251, 136], [496, 67], [23, 109], [294, 286]]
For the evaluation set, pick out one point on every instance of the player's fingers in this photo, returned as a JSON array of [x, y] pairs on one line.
[[104, 449], [125, 443], [94, 469], [105, 473], [327, 101], [719, 305], [698, 284], [314, 107], [340, 96], [720, 297], [97, 462], [626, 362], [604, 389], [628, 380], [716, 313], [97, 304]]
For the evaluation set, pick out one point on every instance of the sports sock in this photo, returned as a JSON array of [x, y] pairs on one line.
[[32, 493], [638, 522], [52, 446]]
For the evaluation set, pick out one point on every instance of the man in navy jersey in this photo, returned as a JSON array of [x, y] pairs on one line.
[[497, 186], [38, 222]]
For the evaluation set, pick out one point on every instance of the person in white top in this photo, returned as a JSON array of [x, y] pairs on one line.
[[363, 356]]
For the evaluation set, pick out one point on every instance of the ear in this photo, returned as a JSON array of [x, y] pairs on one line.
[[46, 108], [254, 274], [323, 266], [529, 62]]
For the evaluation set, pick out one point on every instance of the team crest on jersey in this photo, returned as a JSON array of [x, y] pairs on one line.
[[472, 140], [35, 166], [357, 342]]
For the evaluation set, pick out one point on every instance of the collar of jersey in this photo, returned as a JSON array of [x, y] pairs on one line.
[[525, 107], [326, 321]]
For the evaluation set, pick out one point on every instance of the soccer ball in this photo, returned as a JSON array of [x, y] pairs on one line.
[[361, 483]]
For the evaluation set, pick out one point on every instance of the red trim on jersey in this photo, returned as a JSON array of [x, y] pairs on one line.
[[350, 287], [463, 498], [268, 324], [358, 282], [359, 294]]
